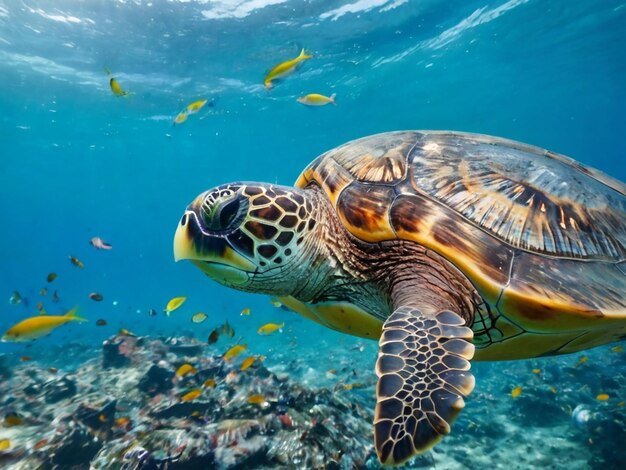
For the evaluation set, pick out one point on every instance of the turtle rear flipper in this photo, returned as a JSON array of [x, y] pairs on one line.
[[423, 375]]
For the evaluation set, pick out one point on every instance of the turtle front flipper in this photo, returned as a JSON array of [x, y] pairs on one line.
[[423, 375]]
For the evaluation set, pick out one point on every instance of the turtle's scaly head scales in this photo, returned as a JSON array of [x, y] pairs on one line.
[[238, 230]]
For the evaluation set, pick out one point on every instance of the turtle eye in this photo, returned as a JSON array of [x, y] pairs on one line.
[[228, 211], [221, 210]]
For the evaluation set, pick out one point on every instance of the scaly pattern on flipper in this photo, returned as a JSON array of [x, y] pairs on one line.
[[423, 369]]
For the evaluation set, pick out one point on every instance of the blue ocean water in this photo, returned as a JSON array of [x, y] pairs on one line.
[[76, 161]]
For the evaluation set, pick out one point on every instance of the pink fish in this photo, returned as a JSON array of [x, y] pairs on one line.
[[100, 244]]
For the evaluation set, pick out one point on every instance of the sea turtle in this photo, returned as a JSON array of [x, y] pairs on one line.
[[445, 246]]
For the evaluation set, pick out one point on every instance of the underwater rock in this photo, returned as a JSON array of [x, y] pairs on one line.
[[112, 355], [75, 448], [57, 390], [5, 370], [97, 418], [184, 346], [185, 409], [156, 380]]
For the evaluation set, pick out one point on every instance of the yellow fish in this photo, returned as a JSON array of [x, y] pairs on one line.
[[617, 349], [116, 88], [602, 397], [269, 328], [248, 362], [284, 68], [12, 419], [315, 99], [185, 369], [246, 312], [173, 304], [35, 327], [276, 303], [582, 360], [256, 399], [235, 351], [180, 117], [516, 392], [196, 106], [536, 371], [5, 444], [210, 383], [192, 395]]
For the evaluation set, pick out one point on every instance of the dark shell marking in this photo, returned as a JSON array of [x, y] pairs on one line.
[[541, 236]]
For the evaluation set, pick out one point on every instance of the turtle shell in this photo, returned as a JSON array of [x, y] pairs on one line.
[[541, 236]]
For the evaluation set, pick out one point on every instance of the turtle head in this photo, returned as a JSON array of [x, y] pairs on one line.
[[246, 235]]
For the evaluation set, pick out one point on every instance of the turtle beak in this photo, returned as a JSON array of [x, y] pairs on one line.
[[191, 243], [183, 242]]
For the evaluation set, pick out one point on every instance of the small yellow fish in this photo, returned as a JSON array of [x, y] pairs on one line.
[[196, 106], [5, 444], [602, 397], [235, 351], [192, 395], [617, 349], [553, 390], [51, 277], [516, 392], [12, 419], [536, 371], [122, 421], [582, 360], [620, 404], [76, 262], [256, 399], [125, 332], [315, 99], [102, 418], [180, 117], [276, 303], [185, 369], [116, 88], [173, 304], [284, 68], [35, 327], [209, 383], [248, 362], [199, 317], [245, 311], [269, 328]]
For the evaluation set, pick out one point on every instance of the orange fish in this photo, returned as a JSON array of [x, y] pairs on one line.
[[185, 369], [235, 351], [247, 362], [192, 395], [256, 399]]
